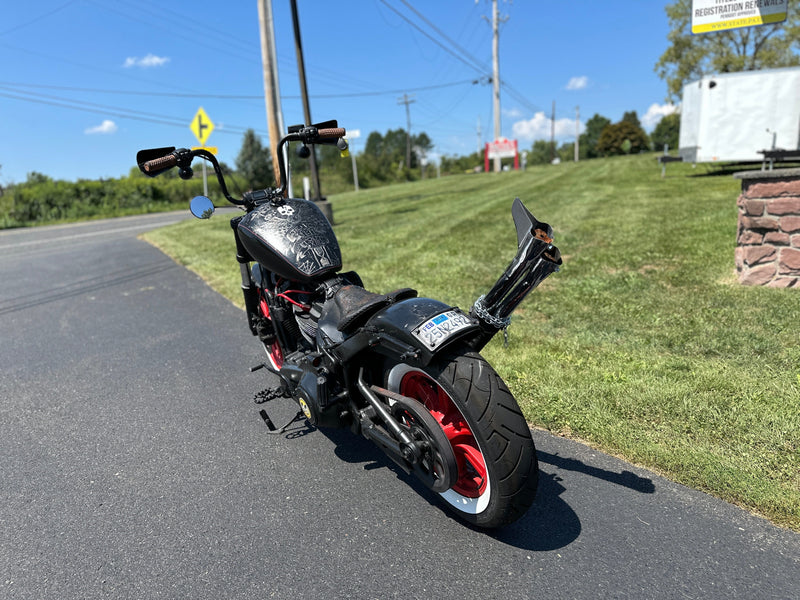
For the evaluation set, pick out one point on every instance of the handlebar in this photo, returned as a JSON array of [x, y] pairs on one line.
[[332, 132], [308, 135], [158, 160], [160, 164]]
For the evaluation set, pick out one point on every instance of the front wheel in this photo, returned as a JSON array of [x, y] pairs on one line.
[[496, 459]]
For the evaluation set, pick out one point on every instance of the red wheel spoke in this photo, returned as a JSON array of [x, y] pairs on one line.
[[471, 470], [472, 476]]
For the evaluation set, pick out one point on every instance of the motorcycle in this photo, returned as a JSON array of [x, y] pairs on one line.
[[403, 371]]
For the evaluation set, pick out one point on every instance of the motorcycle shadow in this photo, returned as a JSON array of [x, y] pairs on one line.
[[549, 524]]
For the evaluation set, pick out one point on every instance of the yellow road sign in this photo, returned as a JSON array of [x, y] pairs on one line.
[[212, 149], [201, 126]]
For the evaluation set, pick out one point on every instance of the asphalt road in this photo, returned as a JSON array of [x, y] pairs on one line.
[[133, 464]]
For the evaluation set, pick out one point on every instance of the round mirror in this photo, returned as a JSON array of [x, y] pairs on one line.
[[201, 207]]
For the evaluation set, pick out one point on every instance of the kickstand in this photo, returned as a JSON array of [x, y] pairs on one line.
[[271, 426]]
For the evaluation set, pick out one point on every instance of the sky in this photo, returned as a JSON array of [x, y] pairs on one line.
[[85, 84]]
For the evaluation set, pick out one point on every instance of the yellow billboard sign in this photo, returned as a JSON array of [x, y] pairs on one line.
[[720, 15]]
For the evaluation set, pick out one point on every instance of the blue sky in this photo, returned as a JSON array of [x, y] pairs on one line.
[[84, 84]]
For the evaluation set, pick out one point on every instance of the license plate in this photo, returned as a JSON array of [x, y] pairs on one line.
[[434, 332]]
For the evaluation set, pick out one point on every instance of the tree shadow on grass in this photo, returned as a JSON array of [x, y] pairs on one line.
[[728, 169]]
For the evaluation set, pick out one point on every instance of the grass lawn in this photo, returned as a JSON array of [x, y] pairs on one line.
[[644, 345]]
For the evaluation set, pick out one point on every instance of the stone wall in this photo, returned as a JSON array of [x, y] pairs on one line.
[[768, 241]]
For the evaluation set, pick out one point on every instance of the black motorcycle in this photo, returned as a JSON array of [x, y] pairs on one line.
[[401, 370]]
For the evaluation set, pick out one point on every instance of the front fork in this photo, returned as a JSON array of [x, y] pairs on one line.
[[248, 289]]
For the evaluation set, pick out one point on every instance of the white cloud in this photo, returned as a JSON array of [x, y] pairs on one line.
[[151, 60], [539, 128], [578, 83], [655, 113], [513, 113], [105, 128]]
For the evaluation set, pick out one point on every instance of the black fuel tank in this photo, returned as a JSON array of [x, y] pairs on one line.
[[293, 240]]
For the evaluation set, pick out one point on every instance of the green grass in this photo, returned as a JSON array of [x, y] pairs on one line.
[[644, 345]]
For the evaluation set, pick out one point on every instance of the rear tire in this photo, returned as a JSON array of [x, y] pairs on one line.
[[497, 467]]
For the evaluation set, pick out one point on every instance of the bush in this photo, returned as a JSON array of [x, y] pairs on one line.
[[43, 200], [667, 132], [622, 138]]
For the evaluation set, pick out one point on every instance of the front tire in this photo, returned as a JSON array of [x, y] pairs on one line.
[[497, 466]]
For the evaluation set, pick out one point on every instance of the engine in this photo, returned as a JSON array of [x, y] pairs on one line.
[[313, 393]]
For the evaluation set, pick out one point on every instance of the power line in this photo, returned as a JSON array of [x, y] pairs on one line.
[[111, 110], [239, 96], [154, 23], [477, 67], [470, 60], [39, 18], [94, 68], [446, 37]]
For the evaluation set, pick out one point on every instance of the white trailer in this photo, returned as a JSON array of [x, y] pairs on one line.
[[734, 117]]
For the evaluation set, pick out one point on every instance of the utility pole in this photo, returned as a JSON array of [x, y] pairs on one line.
[[407, 100], [301, 71], [496, 77], [480, 137], [271, 87], [553, 134], [577, 131], [353, 134]]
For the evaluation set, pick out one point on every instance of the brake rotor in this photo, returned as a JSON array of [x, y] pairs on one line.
[[437, 467]]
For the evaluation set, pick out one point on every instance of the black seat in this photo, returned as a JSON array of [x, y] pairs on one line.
[[352, 305]]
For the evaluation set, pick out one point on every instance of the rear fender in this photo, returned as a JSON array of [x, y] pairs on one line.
[[412, 330], [424, 323]]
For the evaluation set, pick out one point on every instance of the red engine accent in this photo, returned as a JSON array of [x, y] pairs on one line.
[[275, 354]]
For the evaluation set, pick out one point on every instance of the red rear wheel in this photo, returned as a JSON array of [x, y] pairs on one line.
[[472, 478], [497, 468]]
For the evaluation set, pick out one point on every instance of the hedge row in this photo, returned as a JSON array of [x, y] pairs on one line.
[[43, 200]]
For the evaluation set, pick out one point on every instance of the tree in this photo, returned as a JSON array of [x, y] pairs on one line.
[[566, 151], [330, 161], [35, 177], [390, 149], [452, 165], [540, 153], [588, 139], [632, 118], [384, 156], [421, 144], [667, 132], [254, 162], [689, 57], [622, 138]]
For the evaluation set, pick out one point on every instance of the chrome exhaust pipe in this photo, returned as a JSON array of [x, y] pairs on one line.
[[536, 258]]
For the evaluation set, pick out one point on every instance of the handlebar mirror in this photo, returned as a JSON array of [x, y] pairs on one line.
[[201, 207], [144, 156]]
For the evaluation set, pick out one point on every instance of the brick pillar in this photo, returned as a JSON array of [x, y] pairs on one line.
[[768, 240]]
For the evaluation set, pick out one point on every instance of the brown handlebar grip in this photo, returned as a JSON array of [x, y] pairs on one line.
[[157, 164], [333, 132]]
